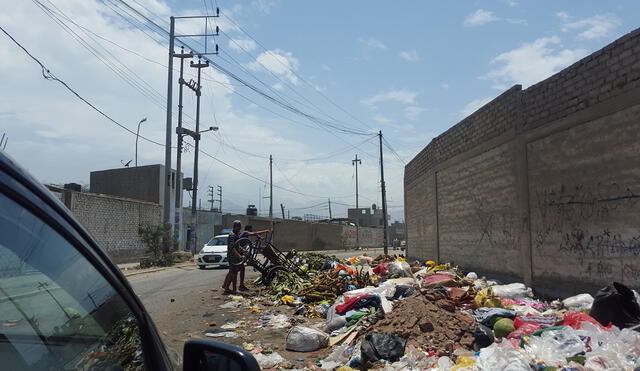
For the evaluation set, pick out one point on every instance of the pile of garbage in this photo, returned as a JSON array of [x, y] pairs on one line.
[[385, 313]]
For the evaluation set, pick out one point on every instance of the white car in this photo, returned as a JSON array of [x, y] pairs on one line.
[[214, 252]]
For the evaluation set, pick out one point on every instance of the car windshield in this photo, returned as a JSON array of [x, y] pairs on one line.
[[217, 241]]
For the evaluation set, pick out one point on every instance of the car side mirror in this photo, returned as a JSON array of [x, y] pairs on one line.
[[209, 355]]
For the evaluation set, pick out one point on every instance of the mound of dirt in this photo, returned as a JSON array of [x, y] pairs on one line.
[[431, 325]]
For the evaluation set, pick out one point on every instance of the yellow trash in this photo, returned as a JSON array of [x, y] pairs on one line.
[[431, 263], [254, 309], [236, 298], [347, 368], [485, 298], [401, 259], [463, 363], [287, 299]]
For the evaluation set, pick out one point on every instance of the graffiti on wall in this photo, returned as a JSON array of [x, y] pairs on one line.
[[576, 220], [497, 228]]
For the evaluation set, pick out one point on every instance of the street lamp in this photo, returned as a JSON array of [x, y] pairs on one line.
[[137, 135]]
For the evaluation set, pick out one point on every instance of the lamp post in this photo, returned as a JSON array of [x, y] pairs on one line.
[[137, 135]]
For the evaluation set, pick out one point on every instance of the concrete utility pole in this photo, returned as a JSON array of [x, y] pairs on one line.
[[220, 198], [194, 229], [178, 197], [356, 162], [330, 216], [384, 198], [271, 187], [282, 208], [166, 218]]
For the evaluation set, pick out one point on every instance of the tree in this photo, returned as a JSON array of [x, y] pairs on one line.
[[159, 243]]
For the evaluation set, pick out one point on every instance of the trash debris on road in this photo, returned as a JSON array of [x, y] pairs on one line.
[[384, 313]]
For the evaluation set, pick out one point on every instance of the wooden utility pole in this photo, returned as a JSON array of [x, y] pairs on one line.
[[330, 216], [282, 208]]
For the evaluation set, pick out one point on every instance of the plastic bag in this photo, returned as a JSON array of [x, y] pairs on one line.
[[503, 357], [403, 291], [376, 346], [616, 304], [482, 337], [523, 328], [381, 269], [512, 291], [268, 360], [554, 346], [336, 322], [486, 298], [578, 303], [400, 269], [305, 339], [338, 357], [488, 316], [576, 319]]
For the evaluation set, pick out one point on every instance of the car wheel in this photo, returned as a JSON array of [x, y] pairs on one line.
[[201, 266]]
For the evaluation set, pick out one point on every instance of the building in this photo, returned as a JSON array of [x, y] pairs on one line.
[[142, 183], [396, 231], [367, 217]]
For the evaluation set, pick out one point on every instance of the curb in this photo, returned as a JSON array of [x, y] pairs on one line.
[[134, 272]]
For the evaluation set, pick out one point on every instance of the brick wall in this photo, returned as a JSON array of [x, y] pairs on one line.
[[113, 221], [541, 184]]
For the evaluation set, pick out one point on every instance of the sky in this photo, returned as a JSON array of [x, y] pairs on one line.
[[311, 83]]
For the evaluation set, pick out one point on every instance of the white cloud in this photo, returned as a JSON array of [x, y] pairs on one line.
[[480, 17], [240, 45], [511, 3], [596, 27], [444, 85], [474, 105], [409, 55], [413, 112], [381, 119], [562, 15], [373, 43], [531, 62], [263, 6], [325, 67], [400, 96], [278, 62]]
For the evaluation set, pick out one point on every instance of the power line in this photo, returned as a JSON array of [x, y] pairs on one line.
[[296, 74], [48, 75]]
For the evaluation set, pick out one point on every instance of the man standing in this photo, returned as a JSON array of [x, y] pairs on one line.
[[234, 257]]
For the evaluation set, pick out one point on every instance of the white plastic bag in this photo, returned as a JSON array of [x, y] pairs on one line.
[[512, 291], [579, 302], [269, 360], [502, 356], [305, 339], [400, 269], [339, 357]]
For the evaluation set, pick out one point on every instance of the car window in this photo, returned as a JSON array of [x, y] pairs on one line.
[[217, 241], [56, 310]]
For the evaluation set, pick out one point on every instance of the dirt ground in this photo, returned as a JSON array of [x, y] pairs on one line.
[[194, 314]]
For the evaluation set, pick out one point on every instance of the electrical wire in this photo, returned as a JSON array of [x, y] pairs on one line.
[[48, 75]]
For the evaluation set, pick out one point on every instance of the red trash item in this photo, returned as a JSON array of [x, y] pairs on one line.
[[348, 304], [576, 319], [381, 269], [525, 328]]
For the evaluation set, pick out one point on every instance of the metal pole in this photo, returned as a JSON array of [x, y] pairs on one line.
[[330, 216], [166, 217], [271, 187], [384, 198], [137, 136], [282, 208]]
